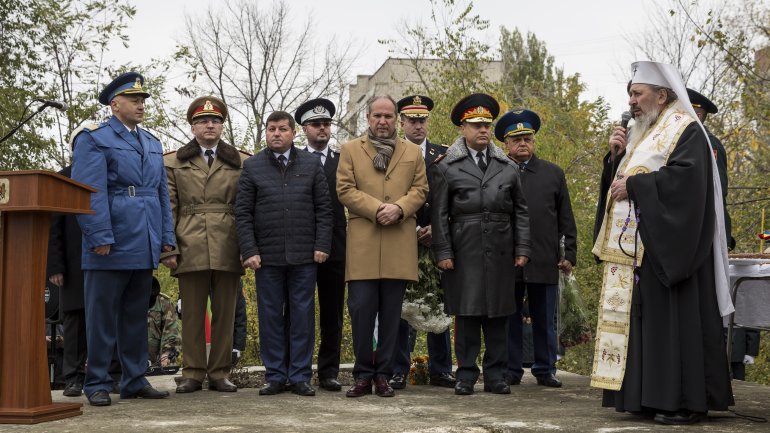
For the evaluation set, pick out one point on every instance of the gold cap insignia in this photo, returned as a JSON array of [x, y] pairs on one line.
[[208, 106], [138, 84], [417, 100]]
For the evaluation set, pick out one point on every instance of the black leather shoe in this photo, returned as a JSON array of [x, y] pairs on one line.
[[360, 388], [272, 388], [100, 398], [303, 389], [445, 380], [463, 388], [188, 385], [73, 389], [511, 380], [222, 385], [382, 388], [680, 418], [549, 380], [499, 387], [398, 381], [147, 392], [330, 384]]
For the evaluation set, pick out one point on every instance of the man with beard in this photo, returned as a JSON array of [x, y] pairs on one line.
[[381, 180], [414, 112], [284, 219], [660, 232], [480, 234], [315, 116], [202, 183]]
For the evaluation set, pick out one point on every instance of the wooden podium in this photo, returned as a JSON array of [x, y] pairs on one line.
[[27, 200]]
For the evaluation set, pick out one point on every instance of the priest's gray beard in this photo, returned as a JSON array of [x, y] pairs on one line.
[[642, 124]]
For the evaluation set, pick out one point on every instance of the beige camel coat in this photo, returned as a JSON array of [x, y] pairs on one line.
[[202, 200], [375, 251]]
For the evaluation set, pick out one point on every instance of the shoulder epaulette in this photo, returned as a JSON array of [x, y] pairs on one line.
[[170, 152], [164, 295], [245, 153], [151, 134], [439, 158], [444, 145]]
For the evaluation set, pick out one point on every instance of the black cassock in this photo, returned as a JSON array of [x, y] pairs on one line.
[[676, 356]]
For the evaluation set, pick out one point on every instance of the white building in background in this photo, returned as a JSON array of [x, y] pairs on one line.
[[395, 77]]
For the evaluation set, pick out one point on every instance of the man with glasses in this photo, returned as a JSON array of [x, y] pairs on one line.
[[315, 116], [202, 182], [550, 218]]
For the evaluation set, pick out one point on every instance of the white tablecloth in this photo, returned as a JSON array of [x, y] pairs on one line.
[[752, 301]]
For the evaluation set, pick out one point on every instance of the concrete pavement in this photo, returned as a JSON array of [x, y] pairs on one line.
[[418, 409]]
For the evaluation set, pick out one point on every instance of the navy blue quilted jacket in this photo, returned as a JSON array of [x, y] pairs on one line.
[[283, 214]]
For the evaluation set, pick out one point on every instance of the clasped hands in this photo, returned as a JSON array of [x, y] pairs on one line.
[[389, 213]]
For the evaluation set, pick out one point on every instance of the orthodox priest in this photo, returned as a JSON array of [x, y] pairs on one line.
[[659, 350]]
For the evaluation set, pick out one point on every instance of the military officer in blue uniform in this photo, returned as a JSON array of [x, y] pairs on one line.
[[414, 111], [122, 239], [550, 218]]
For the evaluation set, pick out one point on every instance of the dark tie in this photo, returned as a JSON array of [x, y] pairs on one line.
[[482, 162], [522, 166], [135, 134], [320, 155], [209, 156], [282, 160]]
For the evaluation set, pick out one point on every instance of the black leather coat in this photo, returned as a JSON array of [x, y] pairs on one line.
[[480, 220]]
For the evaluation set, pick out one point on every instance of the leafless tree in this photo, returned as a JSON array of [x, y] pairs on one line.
[[253, 58]]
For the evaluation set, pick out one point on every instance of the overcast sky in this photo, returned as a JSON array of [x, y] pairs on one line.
[[589, 38]]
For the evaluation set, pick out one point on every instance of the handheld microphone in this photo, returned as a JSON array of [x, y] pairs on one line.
[[62, 106], [624, 118]]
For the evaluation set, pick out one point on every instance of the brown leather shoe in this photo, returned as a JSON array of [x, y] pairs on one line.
[[222, 385], [360, 388], [382, 388], [188, 385]]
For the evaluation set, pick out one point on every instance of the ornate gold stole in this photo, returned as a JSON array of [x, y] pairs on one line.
[[619, 227]]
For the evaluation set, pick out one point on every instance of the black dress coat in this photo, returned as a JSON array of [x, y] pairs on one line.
[[676, 350], [339, 228], [550, 217], [432, 151], [64, 251], [480, 221]]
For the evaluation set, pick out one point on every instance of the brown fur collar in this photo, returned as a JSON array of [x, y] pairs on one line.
[[226, 153]]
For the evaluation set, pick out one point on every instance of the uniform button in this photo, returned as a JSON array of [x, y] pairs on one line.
[[487, 252], [286, 210], [486, 231], [387, 197], [387, 177], [483, 187], [485, 209]]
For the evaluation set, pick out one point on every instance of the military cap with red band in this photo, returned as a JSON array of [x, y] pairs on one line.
[[206, 106]]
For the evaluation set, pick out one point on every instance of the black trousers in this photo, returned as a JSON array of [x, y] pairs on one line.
[[75, 351], [330, 279], [370, 300], [468, 345]]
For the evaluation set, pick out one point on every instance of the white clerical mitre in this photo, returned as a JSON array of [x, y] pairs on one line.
[[663, 74]]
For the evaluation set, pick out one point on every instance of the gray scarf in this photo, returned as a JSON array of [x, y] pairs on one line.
[[385, 147]]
